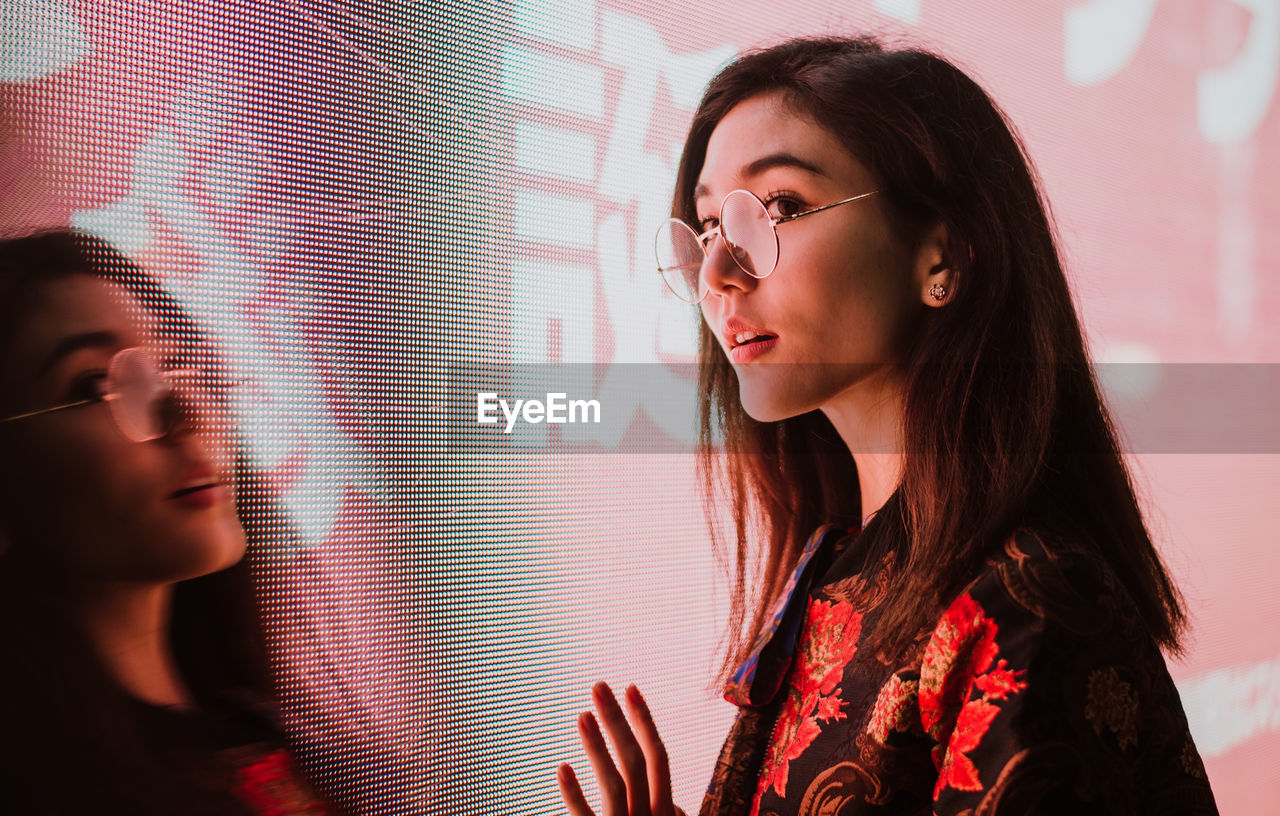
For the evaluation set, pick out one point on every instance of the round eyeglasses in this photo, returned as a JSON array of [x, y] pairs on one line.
[[749, 233], [147, 403]]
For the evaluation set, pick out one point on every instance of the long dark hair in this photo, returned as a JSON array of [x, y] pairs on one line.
[[73, 741], [1004, 423]]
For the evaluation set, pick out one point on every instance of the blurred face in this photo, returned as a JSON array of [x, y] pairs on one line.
[[845, 297], [98, 506]]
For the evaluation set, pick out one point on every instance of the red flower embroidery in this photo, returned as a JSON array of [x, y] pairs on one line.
[[271, 785], [959, 658], [828, 642], [829, 708], [895, 709]]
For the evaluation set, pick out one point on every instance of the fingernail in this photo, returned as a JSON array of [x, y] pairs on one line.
[[602, 689], [633, 693], [566, 774]]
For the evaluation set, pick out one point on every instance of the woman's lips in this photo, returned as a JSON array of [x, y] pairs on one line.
[[747, 352], [201, 496]]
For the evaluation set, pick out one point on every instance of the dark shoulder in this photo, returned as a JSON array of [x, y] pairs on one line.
[[1053, 609], [1047, 646], [1059, 582]]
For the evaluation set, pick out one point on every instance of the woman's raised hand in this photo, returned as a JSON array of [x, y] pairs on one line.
[[640, 784]]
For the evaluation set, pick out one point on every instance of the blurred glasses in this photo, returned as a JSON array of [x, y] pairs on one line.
[[147, 403], [749, 233]]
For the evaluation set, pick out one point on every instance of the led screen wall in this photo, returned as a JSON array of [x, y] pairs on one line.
[[382, 212], [243, 154]]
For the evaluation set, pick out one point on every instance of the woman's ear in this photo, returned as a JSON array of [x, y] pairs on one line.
[[934, 268]]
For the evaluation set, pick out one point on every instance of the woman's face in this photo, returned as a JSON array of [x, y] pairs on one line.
[[846, 293], [100, 506]]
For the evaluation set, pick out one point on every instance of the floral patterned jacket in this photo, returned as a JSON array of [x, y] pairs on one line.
[[1038, 691]]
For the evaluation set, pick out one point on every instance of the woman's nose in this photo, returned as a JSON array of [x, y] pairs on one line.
[[720, 272], [177, 413]]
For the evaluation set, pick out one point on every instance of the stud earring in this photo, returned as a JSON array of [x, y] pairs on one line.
[[938, 292]]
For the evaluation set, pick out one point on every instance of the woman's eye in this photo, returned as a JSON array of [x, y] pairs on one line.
[[782, 206], [89, 386], [707, 224]]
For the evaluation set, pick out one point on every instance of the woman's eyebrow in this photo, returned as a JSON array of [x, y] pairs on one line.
[[75, 342], [773, 160], [766, 163]]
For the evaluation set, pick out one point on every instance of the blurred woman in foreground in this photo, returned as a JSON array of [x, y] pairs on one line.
[[135, 673]]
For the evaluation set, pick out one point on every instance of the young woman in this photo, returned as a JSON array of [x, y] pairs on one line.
[[961, 610], [135, 673]]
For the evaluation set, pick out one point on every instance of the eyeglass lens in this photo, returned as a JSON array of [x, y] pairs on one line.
[[748, 234], [680, 259], [149, 404], [137, 385]]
